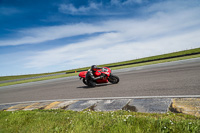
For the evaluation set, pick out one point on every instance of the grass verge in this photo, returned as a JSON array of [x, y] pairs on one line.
[[38, 79], [113, 68], [40, 121], [156, 62]]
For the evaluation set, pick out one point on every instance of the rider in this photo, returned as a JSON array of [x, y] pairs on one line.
[[90, 75], [91, 72]]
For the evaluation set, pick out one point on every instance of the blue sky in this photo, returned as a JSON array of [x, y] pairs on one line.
[[46, 36]]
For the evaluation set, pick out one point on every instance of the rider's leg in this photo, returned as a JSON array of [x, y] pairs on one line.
[[91, 83]]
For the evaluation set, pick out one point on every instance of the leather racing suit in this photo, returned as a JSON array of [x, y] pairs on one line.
[[90, 75]]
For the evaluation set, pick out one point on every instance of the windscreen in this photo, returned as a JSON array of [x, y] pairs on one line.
[[104, 69]]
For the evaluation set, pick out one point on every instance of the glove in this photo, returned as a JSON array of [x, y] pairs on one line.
[[101, 76]]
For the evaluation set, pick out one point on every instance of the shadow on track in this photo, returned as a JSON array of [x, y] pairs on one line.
[[98, 85]]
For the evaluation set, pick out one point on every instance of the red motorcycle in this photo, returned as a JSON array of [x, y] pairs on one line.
[[105, 71]]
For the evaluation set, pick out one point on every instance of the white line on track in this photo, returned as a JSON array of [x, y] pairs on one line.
[[105, 98]]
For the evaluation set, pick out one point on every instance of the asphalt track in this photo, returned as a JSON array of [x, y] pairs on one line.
[[165, 79]]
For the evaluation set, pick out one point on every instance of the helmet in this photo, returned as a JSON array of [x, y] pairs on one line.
[[94, 68]]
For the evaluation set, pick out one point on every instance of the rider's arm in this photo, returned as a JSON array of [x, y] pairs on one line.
[[94, 78]]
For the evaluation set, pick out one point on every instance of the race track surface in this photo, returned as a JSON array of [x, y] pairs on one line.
[[177, 78]]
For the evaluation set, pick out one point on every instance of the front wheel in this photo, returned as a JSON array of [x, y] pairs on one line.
[[84, 81], [113, 79]]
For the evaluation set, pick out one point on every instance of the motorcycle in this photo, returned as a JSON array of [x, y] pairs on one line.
[[107, 74]]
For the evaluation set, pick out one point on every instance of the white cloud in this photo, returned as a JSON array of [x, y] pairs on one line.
[[115, 2], [71, 9], [123, 39], [42, 34], [171, 13], [160, 23], [132, 38], [128, 2], [110, 47]]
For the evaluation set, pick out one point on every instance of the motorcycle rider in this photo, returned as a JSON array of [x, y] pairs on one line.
[[90, 78]]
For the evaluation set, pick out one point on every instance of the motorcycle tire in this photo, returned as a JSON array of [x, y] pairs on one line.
[[84, 81], [113, 79]]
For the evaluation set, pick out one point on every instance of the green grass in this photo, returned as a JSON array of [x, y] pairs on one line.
[[156, 62], [38, 79], [60, 121], [3, 78]]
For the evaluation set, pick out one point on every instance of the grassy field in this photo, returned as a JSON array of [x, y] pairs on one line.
[[58, 121]]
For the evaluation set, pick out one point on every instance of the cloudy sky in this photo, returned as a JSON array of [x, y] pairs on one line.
[[38, 36]]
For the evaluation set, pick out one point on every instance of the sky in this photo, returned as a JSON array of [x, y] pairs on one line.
[[39, 36]]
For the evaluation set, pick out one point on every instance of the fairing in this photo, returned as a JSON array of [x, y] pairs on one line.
[[82, 74], [104, 70]]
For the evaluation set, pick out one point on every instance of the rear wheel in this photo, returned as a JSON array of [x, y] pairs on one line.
[[113, 79]]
